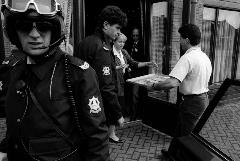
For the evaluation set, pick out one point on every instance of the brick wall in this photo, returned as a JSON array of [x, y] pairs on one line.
[[177, 7], [177, 22]]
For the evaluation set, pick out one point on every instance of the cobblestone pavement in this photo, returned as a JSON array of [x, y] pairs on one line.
[[223, 129], [142, 143]]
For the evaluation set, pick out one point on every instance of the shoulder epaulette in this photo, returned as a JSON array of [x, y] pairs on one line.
[[78, 62], [14, 58]]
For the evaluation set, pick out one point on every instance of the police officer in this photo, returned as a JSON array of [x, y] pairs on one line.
[[54, 109], [96, 49]]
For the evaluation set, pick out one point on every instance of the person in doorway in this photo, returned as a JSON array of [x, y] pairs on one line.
[[134, 46], [59, 114], [191, 74], [135, 99], [124, 64], [96, 49]]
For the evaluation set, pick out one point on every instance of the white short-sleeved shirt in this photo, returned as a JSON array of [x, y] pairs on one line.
[[193, 70]]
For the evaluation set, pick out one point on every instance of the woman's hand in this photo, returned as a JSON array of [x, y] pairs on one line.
[[152, 64], [123, 66]]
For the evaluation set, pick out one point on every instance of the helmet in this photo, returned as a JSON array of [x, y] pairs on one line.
[[44, 10]]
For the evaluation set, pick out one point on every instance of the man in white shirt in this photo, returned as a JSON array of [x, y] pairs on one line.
[[192, 74]]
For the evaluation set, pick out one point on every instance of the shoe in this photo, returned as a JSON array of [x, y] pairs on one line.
[[115, 141]]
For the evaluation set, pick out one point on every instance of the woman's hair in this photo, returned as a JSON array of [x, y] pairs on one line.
[[121, 35]]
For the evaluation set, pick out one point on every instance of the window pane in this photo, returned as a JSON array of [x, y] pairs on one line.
[[209, 13], [158, 26], [158, 42], [207, 29], [238, 58], [231, 17], [225, 39], [223, 43]]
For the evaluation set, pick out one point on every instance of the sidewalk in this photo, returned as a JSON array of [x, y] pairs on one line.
[[141, 143]]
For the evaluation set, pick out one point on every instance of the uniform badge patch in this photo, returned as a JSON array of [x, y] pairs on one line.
[[1, 84], [84, 66], [5, 62], [106, 71], [105, 48], [94, 105]]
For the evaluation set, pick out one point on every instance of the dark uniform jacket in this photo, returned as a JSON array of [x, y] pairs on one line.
[[30, 133], [101, 58]]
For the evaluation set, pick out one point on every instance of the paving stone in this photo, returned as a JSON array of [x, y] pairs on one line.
[[144, 143]]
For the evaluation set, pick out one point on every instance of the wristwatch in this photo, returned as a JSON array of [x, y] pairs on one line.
[[153, 85]]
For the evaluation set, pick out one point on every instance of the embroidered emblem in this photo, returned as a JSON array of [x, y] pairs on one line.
[[105, 48], [84, 66], [94, 105], [19, 92], [106, 71], [5, 62], [1, 84]]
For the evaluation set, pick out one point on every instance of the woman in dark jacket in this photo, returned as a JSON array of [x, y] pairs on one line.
[[124, 63]]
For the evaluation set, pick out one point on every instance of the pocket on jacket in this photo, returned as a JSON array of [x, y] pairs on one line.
[[50, 148]]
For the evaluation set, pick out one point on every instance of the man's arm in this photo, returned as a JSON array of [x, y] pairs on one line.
[[92, 117], [167, 84]]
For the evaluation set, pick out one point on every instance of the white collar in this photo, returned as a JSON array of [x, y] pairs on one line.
[[30, 60], [193, 48], [115, 52]]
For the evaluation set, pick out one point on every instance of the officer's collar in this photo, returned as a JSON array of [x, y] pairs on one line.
[[106, 43], [41, 70]]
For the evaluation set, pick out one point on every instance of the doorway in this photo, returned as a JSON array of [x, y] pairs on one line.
[[133, 11]]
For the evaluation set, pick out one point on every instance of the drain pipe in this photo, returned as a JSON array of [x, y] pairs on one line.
[[193, 11], [78, 22]]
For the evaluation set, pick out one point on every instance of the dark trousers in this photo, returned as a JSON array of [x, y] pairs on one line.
[[190, 110]]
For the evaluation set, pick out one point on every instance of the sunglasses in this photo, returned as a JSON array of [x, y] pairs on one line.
[[27, 26]]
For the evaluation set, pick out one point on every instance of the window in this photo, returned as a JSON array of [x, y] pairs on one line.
[[220, 40], [159, 42], [158, 35]]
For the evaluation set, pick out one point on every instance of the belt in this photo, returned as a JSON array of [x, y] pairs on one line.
[[190, 95]]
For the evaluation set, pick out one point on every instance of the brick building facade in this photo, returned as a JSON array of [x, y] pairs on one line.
[[193, 12], [161, 33]]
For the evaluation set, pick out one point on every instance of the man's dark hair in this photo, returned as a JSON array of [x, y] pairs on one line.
[[192, 32], [113, 15]]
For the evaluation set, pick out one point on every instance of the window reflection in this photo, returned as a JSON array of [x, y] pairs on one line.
[[158, 41], [158, 25], [220, 34]]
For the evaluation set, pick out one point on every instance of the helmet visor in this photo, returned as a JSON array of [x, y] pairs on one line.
[[41, 6]]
